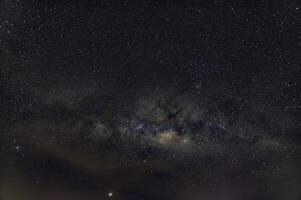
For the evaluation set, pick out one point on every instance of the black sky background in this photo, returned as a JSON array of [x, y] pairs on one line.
[[73, 68]]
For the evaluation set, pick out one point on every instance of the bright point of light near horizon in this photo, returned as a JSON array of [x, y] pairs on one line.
[[110, 194]]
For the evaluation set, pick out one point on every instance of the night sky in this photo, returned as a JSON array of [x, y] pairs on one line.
[[147, 100]]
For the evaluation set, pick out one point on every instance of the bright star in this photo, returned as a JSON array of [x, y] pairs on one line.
[[110, 194]]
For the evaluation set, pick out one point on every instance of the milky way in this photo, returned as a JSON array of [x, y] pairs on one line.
[[149, 100]]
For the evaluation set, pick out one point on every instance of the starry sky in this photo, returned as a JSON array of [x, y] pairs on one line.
[[150, 100]]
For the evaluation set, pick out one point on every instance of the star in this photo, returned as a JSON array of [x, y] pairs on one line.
[[110, 194]]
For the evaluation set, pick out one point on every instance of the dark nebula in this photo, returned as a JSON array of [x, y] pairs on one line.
[[150, 100]]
